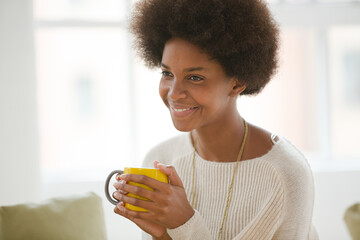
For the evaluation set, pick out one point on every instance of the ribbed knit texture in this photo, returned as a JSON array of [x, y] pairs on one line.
[[272, 196]]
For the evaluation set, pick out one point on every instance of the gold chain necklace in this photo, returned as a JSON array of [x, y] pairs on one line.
[[232, 179]]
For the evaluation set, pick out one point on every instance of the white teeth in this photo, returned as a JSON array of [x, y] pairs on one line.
[[181, 110]]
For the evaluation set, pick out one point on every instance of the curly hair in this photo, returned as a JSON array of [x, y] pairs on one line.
[[240, 34]]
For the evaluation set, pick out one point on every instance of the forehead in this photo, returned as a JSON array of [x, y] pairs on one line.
[[181, 53]]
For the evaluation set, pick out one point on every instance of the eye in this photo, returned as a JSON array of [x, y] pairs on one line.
[[195, 78], [166, 74]]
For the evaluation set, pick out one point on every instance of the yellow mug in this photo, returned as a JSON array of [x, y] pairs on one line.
[[150, 172]]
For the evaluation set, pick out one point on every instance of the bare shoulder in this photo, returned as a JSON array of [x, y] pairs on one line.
[[258, 143]]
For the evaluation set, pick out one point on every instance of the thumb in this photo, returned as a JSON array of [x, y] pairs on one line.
[[170, 171]]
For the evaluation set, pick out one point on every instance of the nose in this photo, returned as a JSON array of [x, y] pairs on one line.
[[177, 89]]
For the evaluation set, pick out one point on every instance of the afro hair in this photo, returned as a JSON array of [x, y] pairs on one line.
[[240, 34]]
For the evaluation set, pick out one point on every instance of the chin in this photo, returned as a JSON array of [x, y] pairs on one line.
[[182, 127]]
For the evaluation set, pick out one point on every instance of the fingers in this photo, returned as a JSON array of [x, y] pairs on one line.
[[142, 203], [148, 181], [125, 188], [154, 202], [120, 209], [147, 226], [170, 171], [166, 169], [119, 186], [125, 212], [118, 177]]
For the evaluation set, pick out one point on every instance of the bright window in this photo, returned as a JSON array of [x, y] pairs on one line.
[[99, 106], [344, 91]]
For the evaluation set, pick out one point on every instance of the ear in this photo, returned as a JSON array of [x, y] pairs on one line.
[[237, 87]]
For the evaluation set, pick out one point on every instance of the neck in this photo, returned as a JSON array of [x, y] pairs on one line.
[[220, 143]]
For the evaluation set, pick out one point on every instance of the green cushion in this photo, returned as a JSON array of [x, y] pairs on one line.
[[77, 217], [352, 220]]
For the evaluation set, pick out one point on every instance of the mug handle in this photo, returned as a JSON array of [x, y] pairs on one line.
[[107, 194]]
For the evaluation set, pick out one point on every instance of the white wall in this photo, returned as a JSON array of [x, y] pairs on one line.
[[19, 155], [334, 192]]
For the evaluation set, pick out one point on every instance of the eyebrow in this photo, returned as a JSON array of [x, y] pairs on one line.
[[191, 69]]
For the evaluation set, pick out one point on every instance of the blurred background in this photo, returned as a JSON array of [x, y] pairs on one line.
[[76, 102]]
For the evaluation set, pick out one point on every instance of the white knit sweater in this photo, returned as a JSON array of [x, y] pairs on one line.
[[272, 196]]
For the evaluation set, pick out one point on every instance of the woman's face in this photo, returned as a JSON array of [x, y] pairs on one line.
[[195, 88]]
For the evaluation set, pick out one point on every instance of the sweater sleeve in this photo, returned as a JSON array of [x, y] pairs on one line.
[[262, 227], [268, 220], [194, 229], [297, 178]]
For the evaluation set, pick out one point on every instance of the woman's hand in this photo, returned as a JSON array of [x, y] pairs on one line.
[[154, 229], [167, 207]]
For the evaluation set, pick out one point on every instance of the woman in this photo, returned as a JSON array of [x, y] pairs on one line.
[[228, 178]]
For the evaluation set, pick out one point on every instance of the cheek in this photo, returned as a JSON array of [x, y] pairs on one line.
[[163, 90], [209, 98]]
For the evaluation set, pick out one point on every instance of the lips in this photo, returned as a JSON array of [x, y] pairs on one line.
[[182, 111]]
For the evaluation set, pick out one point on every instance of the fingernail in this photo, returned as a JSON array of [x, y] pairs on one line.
[[120, 207], [123, 176], [117, 195]]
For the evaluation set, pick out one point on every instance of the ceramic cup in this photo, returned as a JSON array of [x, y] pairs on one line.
[[150, 172]]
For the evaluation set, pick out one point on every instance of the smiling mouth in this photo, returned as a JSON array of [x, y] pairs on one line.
[[182, 109], [182, 112]]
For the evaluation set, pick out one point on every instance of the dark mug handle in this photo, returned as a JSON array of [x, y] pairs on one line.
[[107, 194]]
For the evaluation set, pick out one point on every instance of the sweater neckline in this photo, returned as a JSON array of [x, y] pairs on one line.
[[252, 160]]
